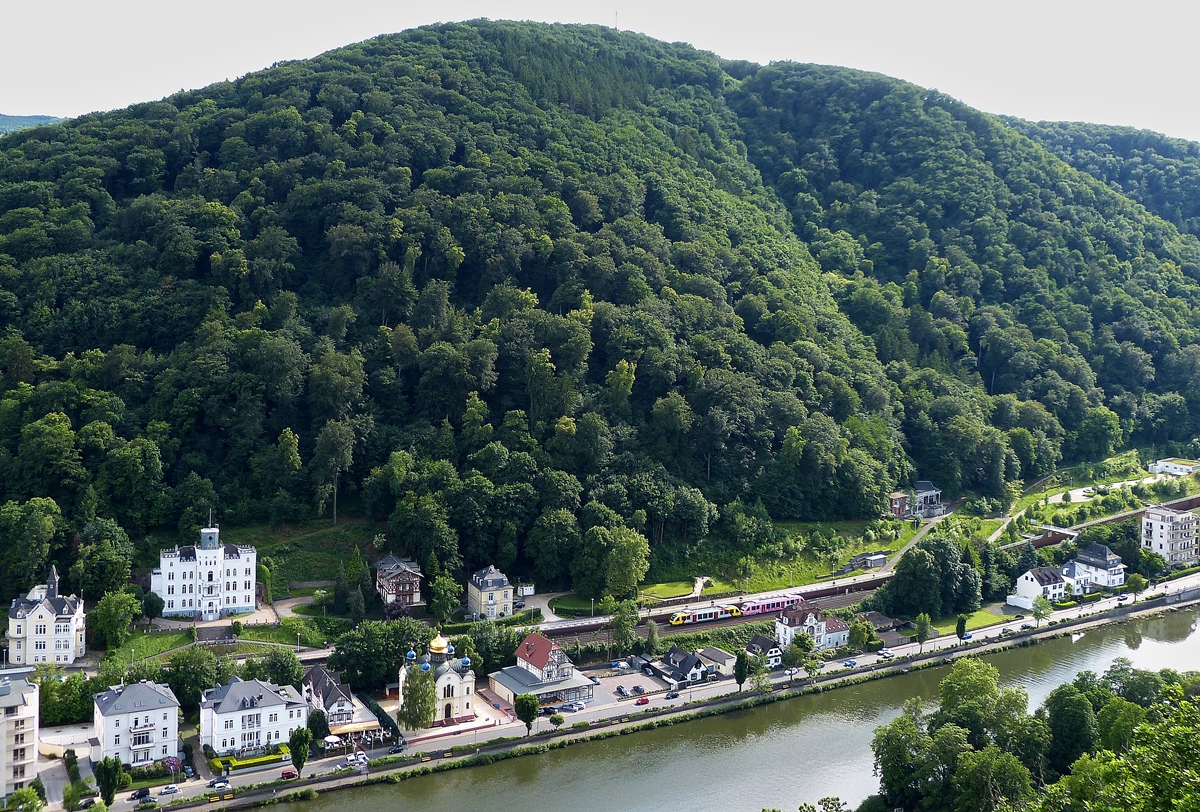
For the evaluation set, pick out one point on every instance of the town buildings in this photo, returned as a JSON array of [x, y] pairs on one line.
[[247, 717], [544, 670], [717, 661], [137, 723], [826, 631], [46, 627], [489, 594], [927, 500], [898, 504], [345, 713], [18, 733], [398, 582], [207, 580], [1171, 534], [1094, 567], [766, 649], [1046, 582], [453, 678]]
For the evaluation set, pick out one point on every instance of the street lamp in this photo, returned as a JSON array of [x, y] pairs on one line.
[[297, 642], [593, 607]]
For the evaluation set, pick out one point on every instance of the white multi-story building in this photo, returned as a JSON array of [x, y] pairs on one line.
[[207, 580], [18, 733], [825, 630], [1094, 566], [45, 627], [1171, 534], [489, 594], [137, 723], [245, 717], [1045, 582]]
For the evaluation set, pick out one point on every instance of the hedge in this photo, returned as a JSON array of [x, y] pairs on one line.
[[523, 618], [383, 716], [218, 764]]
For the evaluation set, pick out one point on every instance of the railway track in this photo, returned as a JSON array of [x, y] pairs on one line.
[[839, 601]]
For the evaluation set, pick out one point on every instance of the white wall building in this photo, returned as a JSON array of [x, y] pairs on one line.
[[826, 631], [137, 723], [1176, 466], [1046, 582], [207, 580], [45, 627], [18, 733], [1093, 567], [1171, 534], [245, 717]]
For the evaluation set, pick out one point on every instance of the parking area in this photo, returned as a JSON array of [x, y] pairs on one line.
[[606, 691]]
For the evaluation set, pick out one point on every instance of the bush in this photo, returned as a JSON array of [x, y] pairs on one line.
[[71, 796], [1065, 604], [581, 726], [125, 780], [156, 770], [308, 794]]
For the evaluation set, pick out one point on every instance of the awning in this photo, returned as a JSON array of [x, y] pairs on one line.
[[355, 727]]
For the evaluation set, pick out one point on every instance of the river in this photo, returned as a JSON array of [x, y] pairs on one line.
[[778, 755]]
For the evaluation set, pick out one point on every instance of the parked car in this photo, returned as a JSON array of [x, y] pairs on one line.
[[550, 710], [884, 654], [850, 663], [1026, 626], [648, 671], [518, 604], [1122, 598], [595, 680], [1006, 632], [622, 691], [87, 803], [574, 707], [637, 689], [289, 772], [398, 747], [218, 784], [966, 636], [642, 700], [139, 794], [187, 772], [672, 694], [169, 789]]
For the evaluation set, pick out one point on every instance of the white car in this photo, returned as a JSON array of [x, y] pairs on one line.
[[169, 789]]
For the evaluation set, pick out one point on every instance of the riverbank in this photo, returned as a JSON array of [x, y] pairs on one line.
[[390, 771]]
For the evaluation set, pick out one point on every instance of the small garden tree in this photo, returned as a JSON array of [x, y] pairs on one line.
[[298, 743], [923, 623], [1136, 584], [419, 699], [960, 627], [741, 668], [527, 708], [1041, 609], [557, 720], [108, 775]]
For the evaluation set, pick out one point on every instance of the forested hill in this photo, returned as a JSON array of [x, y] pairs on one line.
[[10, 124], [559, 299], [1161, 173]]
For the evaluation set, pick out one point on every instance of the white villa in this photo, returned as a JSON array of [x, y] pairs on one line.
[[1176, 466], [247, 717], [45, 624], [138, 723], [1095, 566], [826, 631], [1171, 534], [209, 580], [1046, 582]]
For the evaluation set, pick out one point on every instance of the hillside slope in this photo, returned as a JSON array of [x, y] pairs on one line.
[[565, 299]]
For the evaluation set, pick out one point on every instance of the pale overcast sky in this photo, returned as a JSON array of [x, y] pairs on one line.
[[1132, 63]]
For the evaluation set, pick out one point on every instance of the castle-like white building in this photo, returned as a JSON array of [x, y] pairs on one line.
[[45, 624], [207, 580]]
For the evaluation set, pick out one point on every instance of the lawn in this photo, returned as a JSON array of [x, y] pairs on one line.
[[567, 605], [314, 633], [987, 616], [670, 589], [1118, 468], [143, 645]]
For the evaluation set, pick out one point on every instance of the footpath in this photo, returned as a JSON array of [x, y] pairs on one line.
[[627, 720]]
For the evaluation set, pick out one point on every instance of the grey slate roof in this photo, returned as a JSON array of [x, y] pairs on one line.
[[924, 486], [761, 644], [717, 655], [1098, 556], [15, 691], [326, 685], [144, 695], [490, 578], [254, 693], [47, 595], [1046, 575]]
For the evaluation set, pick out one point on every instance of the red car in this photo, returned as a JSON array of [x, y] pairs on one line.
[[642, 700], [290, 773]]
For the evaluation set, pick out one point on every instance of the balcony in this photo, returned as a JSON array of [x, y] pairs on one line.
[[135, 726]]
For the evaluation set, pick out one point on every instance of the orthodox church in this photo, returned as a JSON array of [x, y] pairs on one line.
[[453, 677]]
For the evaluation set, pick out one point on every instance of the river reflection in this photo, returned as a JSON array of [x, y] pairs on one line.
[[775, 756]]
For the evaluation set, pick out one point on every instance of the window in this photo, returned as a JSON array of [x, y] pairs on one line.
[[164, 749], [247, 570], [274, 717], [19, 771], [170, 589], [170, 576], [229, 724], [170, 604], [18, 628], [40, 628], [117, 739]]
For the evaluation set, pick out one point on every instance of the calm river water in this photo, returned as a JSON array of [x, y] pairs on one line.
[[775, 756]]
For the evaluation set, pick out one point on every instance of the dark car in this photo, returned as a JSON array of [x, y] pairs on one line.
[[622, 690], [637, 689], [396, 748], [648, 671], [289, 773], [595, 680], [518, 604], [672, 694], [1026, 626], [216, 781], [139, 794], [87, 803]]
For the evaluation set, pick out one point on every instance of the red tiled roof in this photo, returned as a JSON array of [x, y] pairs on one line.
[[835, 624], [535, 650]]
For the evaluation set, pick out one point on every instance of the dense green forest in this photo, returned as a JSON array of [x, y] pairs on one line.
[[10, 124], [563, 299]]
